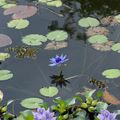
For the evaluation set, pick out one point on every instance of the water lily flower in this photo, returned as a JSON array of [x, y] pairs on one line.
[[106, 115], [58, 60], [42, 114]]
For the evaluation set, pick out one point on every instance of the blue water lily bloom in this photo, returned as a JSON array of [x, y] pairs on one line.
[[42, 114], [58, 60], [106, 115]]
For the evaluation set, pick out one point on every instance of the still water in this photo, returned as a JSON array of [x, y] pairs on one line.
[[32, 74]]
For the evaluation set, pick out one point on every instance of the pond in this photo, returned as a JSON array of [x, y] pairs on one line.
[[87, 59]]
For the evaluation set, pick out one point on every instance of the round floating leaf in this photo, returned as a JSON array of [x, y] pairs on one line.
[[57, 35], [5, 40], [116, 47], [98, 39], [31, 103], [111, 73], [21, 11], [34, 39], [18, 24], [49, 91], [5, 75], [4, 56], [88, 22]]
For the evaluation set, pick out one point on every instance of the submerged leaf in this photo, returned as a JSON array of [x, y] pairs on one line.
[[31, 103], [57, 35], [56, 45], [110, 98], [18, 24], [88, 22], [34, 39], [103, 46], [5, 40], [5, 75], [98, 39], [97, 31], [111, 73], [21, 11], [49, 91]]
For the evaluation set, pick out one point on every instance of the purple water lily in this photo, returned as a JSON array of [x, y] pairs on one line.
[[58, 60], [106, 115], [42, 114]]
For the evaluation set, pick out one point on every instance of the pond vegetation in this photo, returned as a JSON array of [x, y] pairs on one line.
[[89, 104]]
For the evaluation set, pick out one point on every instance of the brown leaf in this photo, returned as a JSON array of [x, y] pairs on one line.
[[21, 11], [5, 40], [56, 45], [110, 98]]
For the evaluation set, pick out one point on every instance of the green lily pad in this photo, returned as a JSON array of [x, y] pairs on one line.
[[49, 91], [116, 47], [98, 39], [88, 22], [34, 39], [4, 56], [5, 75], [56, 3], [118, 17], [111, 73], [8, 6], [2, 2], [31, 103], [18, 24], [57, 35]]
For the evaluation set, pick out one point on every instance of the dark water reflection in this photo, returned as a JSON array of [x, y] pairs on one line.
[[30, 75]]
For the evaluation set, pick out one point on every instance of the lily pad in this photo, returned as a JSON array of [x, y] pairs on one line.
[[5, 40], [111, 73], [118, 18], [34, 39], [4, 56], [57, 35], [49, 91], [8, 6], [98, 39], [5, 75], [21, 11], [31, 103], [88, 22], [18, 24], [116, 47], [101, 106]]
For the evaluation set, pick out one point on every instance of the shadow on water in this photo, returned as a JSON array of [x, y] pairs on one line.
[[31, 75]]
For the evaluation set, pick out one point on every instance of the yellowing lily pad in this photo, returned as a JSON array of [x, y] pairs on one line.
[[57, 35], [18, 24], [116, 47], [34, 39], [5, 75], [49, 91], [111, 73], [31, 103], [4, 56], [98, 39], [88, 22]]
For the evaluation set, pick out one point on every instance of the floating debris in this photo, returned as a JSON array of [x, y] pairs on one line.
[[97, 31], [56, 45], [103, 46], [97, 83], [110, 20], [24, 51], [110, 98]]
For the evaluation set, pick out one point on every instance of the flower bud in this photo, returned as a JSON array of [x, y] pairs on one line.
[[89, 100], [91, 109], [94, 102], [84, 105]]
